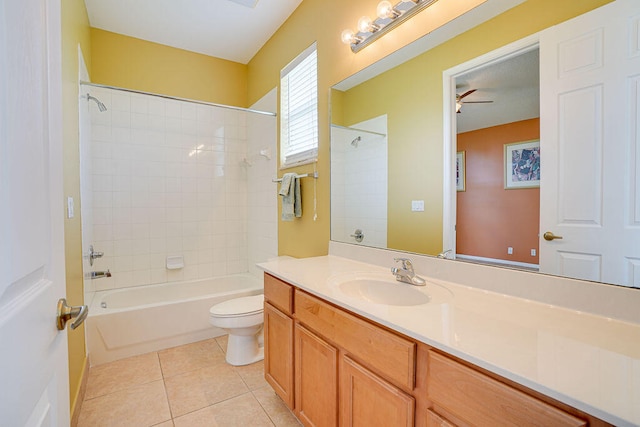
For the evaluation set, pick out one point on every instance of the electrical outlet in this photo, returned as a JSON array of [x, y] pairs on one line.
[[510, 250], [533, 252]]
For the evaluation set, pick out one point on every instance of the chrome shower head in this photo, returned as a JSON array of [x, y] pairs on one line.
[[101, 106]]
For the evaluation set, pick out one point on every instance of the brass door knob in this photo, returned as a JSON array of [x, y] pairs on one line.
[[66, 313], [550, 236]]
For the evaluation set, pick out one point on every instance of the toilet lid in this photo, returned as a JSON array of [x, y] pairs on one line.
[[238, 306]]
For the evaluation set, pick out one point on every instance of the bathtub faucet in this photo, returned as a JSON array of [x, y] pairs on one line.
[[100, 274]]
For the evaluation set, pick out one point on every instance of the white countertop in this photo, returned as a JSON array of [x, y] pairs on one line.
[[587, 361]]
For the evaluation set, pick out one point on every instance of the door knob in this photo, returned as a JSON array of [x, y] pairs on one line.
[[65, 313], [550, 236]]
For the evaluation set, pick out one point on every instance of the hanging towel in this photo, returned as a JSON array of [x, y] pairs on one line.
[[291, 197]]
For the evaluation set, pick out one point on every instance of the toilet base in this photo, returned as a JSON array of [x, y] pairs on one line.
[[243, 350]]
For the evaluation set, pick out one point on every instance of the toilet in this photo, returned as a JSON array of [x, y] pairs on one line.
[[242, 318]]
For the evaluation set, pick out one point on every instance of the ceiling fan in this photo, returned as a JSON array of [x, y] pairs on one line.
[[467, 93]]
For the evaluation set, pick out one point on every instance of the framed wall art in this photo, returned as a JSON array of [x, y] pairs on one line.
[[522, 165]]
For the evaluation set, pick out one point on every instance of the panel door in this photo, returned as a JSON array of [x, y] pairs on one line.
[[368, 400], [316, 366], [278, 352], [590, 145], [34, 379]]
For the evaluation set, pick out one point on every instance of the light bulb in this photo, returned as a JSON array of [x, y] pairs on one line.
[[385, 10], [365, 25], [348, 37]]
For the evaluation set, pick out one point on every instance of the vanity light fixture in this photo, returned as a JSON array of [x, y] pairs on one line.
[[389, 17]]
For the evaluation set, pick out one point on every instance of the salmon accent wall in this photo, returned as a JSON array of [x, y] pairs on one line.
[[490, 218]]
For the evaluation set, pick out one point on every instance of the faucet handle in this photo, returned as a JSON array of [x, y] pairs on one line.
[[406, 263]]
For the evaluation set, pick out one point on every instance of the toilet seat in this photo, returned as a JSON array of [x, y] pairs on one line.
[[238, 307]]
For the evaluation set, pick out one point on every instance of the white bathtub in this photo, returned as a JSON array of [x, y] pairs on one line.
[[132, 321]]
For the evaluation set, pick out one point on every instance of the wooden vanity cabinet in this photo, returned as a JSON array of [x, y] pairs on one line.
[[368, 400], [278, 338], [316, 379], [333, 367]]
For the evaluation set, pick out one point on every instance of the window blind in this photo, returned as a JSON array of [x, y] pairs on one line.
[[299, 110]]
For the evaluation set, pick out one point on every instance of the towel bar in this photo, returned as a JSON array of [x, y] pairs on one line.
[[313, 175]]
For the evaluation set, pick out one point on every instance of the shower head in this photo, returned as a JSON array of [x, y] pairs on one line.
[[101, 106], [355, 141]]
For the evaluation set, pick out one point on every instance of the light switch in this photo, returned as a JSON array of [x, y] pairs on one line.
[[510, 250], [417, 205], [533, 252]]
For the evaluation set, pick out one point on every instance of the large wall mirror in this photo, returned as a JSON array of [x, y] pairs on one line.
[[460, 172]]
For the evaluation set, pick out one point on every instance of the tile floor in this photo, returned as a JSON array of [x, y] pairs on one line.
[[190, 385]]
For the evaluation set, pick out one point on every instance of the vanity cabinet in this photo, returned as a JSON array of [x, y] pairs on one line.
[[316, 379], [478, 399], [278, 338], [368, 400], [333, 367]]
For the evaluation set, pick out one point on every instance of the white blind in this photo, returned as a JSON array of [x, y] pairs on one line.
[[299, 109]]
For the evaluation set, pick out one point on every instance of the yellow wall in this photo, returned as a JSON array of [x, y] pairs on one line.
[[131, 63], [75, 30], [323, 20]]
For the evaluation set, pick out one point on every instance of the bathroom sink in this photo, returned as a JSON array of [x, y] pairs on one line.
[[378, 288]]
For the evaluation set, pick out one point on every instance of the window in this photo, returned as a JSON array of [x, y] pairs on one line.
[[299, 110]]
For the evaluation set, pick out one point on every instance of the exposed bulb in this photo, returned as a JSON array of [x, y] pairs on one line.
[[348, 37], [385, 10], [365, 25]]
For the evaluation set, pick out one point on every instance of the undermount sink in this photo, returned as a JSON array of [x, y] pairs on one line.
[[378, 288]]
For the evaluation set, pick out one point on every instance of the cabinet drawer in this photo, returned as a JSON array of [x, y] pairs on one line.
[[390, 355], [278, 293], [482, 400]]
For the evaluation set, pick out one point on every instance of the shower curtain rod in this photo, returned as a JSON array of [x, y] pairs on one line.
[[175, 98]]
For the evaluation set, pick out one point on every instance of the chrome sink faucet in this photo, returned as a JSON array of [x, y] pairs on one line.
[[406, 273]]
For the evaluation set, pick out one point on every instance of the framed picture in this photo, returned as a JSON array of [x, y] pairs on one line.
[[460, 171], [522, 165]]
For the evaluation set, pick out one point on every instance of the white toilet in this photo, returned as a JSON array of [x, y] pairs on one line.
[[242, 318]]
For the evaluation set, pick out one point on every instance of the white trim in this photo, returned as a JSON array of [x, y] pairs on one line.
[[495, 261], [449, 139]]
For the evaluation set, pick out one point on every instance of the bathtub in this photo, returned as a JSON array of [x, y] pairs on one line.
[[132, 321]]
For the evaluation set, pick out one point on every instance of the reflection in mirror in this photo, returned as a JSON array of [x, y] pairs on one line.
[[489, 223], [497, 223], [359, 183]]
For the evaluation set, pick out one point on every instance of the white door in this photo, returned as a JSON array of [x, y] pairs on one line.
[[34, 381], [590, 145]]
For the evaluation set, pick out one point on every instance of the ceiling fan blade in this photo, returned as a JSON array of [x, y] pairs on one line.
[[467, 93], [477, 102]]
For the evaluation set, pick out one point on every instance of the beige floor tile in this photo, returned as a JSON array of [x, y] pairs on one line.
[[252, 375], [198, 389], [222, 342], [140, 406], [189, 357], [165, 424], [275, 408], [240, 411], [115, 376]]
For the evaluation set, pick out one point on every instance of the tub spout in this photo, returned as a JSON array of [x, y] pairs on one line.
[[100, 274]]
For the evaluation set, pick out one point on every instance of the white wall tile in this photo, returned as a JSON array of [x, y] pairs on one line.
[[169, 179]]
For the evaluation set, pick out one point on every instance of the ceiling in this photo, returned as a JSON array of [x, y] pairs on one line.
[[514, 87], [229, 29]]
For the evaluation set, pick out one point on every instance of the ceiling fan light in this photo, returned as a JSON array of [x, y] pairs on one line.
[[458, 106]]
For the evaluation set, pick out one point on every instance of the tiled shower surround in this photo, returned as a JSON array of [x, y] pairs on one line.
[[173, 178]]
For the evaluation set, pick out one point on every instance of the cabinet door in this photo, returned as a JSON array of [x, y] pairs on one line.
[[435, 420], [278, 352], [367, 400], [316, 387]]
